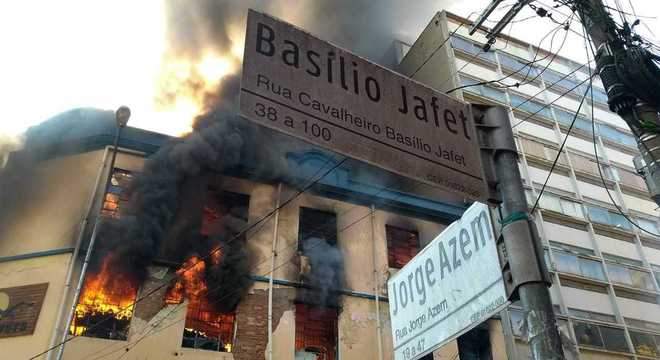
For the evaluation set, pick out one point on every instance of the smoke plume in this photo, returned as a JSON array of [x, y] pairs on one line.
[[326, 274]]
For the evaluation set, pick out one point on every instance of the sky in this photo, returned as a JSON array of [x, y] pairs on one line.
[[59, 55]]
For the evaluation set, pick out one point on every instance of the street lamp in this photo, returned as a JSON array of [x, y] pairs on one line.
[[122, 115]]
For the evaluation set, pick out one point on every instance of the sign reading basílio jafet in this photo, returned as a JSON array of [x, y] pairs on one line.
[[298, 84], [452, 285]]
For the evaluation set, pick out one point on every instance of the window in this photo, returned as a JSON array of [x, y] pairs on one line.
[[321, 261], [572, 248], [483, 90], [117, 194], [219, 205], [553, 80], [209, 326], [599, 95], [471, 48], [519, 66], [570, 263], [645, 344], [316, 224], [402, 245], [316, 332], [566, 118], [642, 324], [474, 345], [648, 225], [530, 106], [615, 135], [656, 272], [561, 205], [208, 329], [604, 216], [591, 315], [599, 336], [105, 308], [587, 334], [630, 277], [622, 260]]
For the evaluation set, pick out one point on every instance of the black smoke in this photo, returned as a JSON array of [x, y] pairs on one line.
[[325, 276]]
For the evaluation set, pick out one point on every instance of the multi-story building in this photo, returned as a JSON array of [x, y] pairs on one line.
[[363, 223], [368, 223], [605, 270]]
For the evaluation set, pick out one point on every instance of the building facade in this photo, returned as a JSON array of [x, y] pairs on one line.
[[367, 224], [605, 271], [351, 215]]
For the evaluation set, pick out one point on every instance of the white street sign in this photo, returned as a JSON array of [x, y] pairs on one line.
[[452, 285], [298, 84]]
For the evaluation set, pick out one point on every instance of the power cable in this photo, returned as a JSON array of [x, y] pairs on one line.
[[559, 153], [236, 236], [548, 104], [549, 87], [527, 65], [600, 171], [268, 273]]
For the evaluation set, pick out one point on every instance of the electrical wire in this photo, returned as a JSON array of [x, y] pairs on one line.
[[600, 171], [268, 273], [527, 65], [548, 87], [548, 104], [236, 236], [559, 153]]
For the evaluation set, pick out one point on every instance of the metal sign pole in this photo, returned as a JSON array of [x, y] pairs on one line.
[[524, 271]]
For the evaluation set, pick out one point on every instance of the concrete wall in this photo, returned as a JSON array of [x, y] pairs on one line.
[[567, 235], [52, 208], [617, 247], [49, 269]]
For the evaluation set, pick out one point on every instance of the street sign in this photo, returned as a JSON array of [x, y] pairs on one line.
[[298, 84], [452, 285]]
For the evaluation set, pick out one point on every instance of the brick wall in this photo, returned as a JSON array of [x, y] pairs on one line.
[[252, 319]]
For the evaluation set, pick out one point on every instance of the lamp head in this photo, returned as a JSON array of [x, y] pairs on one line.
[[121, 116]]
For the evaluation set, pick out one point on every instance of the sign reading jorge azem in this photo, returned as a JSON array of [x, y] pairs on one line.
[[452, 285], [305, 87]]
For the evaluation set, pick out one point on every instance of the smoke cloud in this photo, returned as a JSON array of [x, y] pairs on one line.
[[326, 274]]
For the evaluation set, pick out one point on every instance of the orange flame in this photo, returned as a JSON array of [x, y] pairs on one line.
[[201, 318], [105, 293]]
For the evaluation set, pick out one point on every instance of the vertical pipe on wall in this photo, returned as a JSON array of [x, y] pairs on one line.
[[272, 269], [376, 282], [72, 263]]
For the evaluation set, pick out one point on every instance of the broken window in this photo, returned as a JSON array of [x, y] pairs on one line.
[[316, 332], [207, 327], [224, 212], [117, 195], [317, 224], [321, 261], [402, 245], [105, 306]]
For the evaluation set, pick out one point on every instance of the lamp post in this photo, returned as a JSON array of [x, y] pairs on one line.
[[122, 115]]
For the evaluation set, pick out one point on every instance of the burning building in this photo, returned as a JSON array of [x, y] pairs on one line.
[[204, 287], [207, 247]]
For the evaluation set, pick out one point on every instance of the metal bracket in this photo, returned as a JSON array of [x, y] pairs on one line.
[[526, 268], [490, 145]]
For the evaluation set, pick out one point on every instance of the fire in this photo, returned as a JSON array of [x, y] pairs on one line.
[[105, 294], [202, 320], [184, 85], [190, 282]]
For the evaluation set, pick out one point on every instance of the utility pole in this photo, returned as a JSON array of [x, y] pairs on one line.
[[122, 115], [632, 81], [523, 268]]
